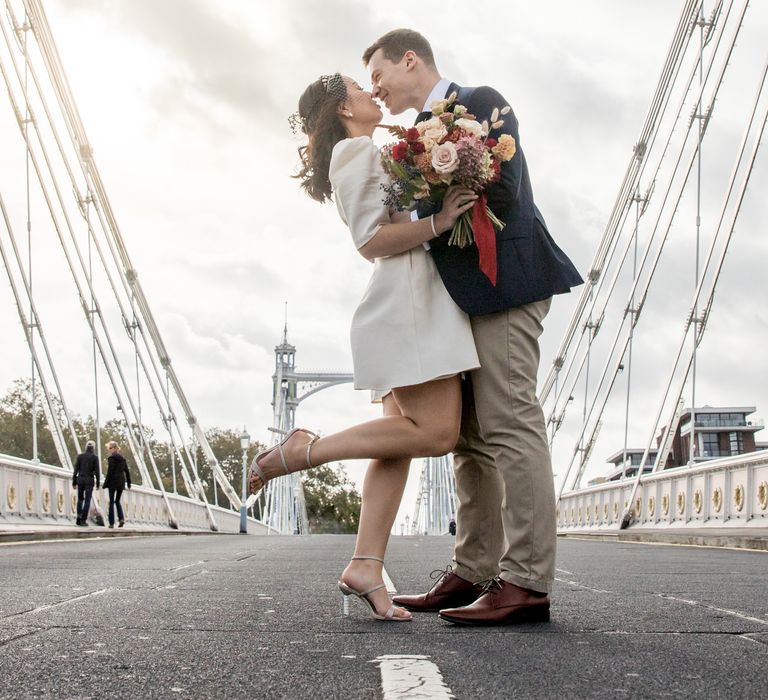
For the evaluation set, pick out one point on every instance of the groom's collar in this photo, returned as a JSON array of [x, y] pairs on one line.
[[438, 93]]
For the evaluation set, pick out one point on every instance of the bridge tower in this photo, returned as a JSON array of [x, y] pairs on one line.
[[284, 508], [436, 500]]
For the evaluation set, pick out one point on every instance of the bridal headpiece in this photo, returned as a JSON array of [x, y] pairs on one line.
[[334, 87]]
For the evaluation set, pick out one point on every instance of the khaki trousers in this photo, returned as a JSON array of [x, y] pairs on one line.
[[505, 523]]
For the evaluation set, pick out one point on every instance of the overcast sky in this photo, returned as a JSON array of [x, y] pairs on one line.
[[186, 102]]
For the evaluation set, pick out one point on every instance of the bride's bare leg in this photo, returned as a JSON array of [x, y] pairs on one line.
[[428, 425], [383, 488]]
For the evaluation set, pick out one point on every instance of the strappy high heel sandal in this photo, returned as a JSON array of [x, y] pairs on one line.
[[256, 470], [347, 590]]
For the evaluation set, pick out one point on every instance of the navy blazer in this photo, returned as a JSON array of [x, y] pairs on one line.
[[531, 267]]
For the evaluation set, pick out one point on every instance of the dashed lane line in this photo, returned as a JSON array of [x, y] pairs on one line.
[[411, 676], [581, 585], [43, 608], [725, 611]]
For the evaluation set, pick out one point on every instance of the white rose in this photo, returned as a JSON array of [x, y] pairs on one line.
[[471, 127], [439, 106], [445, 158], [431, 130]]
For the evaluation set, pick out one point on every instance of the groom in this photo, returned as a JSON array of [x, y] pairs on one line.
[[505, 534]]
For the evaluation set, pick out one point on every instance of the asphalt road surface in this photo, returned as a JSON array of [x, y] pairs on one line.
[[228, 616]]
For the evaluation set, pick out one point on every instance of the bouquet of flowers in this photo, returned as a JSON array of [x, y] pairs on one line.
[[451, 148]]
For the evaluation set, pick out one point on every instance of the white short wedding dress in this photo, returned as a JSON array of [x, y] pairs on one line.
[[407, 330]]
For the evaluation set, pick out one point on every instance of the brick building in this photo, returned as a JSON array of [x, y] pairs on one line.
[[719, 432]]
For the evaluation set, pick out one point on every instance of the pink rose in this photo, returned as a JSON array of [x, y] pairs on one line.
[[445, 158]]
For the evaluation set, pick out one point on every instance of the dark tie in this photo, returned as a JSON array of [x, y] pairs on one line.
[[422, 116]]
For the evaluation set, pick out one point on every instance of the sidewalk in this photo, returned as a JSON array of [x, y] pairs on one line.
[[43, 533], [753, 538], [730, 538]]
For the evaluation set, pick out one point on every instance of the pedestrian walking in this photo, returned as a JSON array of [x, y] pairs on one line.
[[87, 474], [117, 479]]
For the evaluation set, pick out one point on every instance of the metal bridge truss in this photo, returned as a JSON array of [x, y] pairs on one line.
[[662, 187], [436, 498], [130, 360], [667, 183], [283, 507]]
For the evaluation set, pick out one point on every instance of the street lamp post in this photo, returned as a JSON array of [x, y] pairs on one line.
[[245, 443]]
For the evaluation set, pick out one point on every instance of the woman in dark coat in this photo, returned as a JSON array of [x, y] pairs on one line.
[[117, 478]]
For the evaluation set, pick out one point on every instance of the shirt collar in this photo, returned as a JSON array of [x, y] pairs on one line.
[[438, 93]]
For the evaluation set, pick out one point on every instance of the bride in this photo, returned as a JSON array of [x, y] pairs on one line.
[[410, 341]]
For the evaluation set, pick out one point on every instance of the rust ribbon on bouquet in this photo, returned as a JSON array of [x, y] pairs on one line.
[[485, 238]]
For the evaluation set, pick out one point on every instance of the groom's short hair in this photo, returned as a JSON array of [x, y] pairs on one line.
[[394, 44]]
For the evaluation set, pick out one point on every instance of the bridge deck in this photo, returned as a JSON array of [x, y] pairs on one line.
[[224, 615]]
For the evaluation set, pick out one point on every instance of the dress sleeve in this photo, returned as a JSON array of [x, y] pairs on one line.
[[357, 177]]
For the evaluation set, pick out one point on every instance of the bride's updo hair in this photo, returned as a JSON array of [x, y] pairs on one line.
[[318, 117]]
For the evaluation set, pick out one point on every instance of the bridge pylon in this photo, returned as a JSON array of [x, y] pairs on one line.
[[284, 508], [436, 500]]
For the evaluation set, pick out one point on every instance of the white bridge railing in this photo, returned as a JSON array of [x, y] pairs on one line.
[[728, 492], [39, 494]]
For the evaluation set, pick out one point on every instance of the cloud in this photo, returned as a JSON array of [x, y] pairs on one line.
[[214, 55]]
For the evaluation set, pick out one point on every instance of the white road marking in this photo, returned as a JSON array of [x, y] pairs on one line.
[[412, 677], [390, 586], [187, 566], [581, 585], [666, 596], [43, 608], [696, 603]]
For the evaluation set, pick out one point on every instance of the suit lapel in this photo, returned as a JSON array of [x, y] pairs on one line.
[[452, 87]]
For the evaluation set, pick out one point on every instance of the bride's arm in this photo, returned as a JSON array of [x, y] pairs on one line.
[[400, 217], [402, 234]]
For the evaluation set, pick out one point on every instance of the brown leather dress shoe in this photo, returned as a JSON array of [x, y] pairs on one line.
[[502, 603], [449, 590]]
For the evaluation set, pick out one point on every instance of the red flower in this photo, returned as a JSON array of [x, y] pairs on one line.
[[490, 142], [453, 135], [418, 147], [400, 150], [412, 134]]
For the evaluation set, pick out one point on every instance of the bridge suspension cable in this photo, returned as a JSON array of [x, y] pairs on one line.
[[70, 158], [598, 306], [706, 285]]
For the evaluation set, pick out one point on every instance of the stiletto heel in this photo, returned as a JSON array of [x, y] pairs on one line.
[[347, 590], [256, 470]]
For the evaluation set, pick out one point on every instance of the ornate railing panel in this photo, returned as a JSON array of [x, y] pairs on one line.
[[730, 492], [38, 494]]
